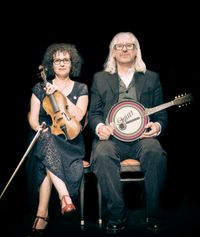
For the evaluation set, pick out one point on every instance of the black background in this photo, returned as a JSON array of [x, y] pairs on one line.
[[169, 40]]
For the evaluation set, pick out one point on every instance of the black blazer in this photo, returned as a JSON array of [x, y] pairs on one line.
[[105, 93]]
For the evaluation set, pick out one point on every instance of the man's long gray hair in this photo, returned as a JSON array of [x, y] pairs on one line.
[[110, 64]]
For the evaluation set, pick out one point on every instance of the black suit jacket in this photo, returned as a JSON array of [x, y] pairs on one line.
[[105, 93]]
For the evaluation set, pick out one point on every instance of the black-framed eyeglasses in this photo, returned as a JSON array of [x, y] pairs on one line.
[[127, 46], [58, 61]]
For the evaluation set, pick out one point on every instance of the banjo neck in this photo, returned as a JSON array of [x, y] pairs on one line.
[[149, 111], [179, 100]]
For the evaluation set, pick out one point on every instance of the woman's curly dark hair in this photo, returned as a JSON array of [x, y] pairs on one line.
[[75, 57]]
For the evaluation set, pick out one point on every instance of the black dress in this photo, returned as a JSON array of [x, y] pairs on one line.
[[62, 157]]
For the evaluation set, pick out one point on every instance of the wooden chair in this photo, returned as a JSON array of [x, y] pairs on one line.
[[130, 172], [87, 169]]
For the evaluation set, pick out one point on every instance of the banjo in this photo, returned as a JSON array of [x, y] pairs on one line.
[[129, 117]]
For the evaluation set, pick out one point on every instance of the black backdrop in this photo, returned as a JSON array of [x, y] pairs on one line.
[[170, 45]]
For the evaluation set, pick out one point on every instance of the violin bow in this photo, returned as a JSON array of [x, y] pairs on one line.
[[42, 127]]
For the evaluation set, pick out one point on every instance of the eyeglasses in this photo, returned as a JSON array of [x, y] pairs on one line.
[[64, 60], [127, 46]]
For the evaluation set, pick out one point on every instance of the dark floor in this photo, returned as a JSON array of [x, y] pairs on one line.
[[180, 213]]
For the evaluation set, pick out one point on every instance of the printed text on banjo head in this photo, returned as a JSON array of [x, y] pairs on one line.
[[129, 120]]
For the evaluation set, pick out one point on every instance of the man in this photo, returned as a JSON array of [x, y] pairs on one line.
[[125, 77]]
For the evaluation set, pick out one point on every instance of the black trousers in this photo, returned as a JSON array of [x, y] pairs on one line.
[[106, 157]]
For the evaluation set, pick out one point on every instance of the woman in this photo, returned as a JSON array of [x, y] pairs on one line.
[[56, 158]]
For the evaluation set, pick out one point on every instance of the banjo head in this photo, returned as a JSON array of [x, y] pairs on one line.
[[129, 120]]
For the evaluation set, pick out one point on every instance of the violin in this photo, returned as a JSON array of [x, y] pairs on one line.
[[63, 123]]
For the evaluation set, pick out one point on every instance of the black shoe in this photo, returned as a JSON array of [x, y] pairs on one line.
[[114, 228], [38, 232], [153, 225]]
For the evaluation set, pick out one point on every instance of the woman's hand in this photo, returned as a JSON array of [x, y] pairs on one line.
[[50, 88], [42, 127]]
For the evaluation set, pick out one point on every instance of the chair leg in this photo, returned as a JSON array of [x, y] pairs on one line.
[[82, 199], [144, 199], [99, 203], [82, 192]]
